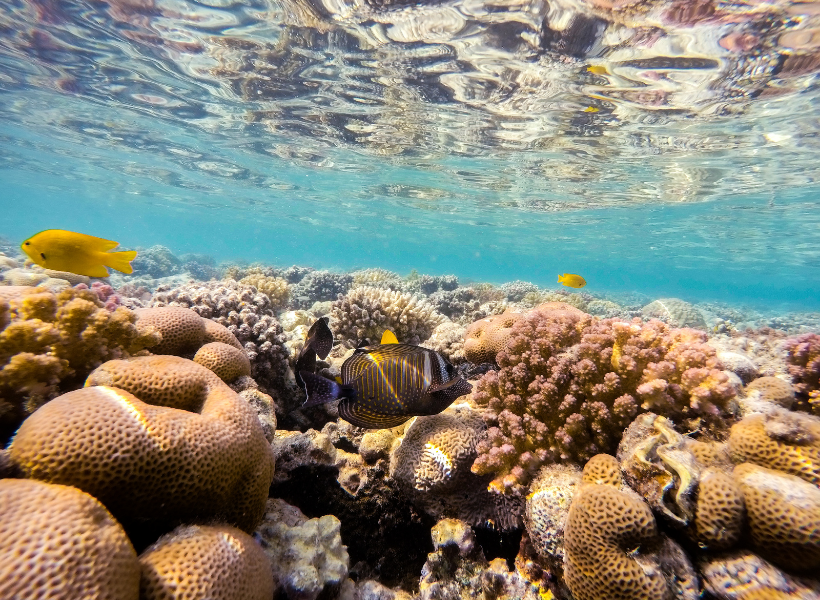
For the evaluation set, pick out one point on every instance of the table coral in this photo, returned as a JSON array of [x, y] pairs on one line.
[[605, 524], [50, 342], [190, 449], [568, 385], [366, 312], [57, 542], [215, 562]]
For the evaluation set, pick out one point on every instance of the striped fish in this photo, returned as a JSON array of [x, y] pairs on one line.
[[383, 385]]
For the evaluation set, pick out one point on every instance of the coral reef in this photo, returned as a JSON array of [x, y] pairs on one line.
[[366, 312], [676, 312], [58, 542], [380, 278], [275, 288], [448, 340], [215, 562], [50, 342], [803, 358], [156, 261], [484, 339], [568, 385], [605, 523], [228, 362], [516, 290], [307, 554], [191, 449], [320, 286]]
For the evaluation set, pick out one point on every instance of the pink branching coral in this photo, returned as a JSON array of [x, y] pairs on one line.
[[569, 384], [105, 294], [803, 358]]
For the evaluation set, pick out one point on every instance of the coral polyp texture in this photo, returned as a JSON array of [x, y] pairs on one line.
[[485, 338], [568, 384], [189, 449], [366, 312], [228, 362], [605, 524], [275, 288], [215, 562], [803, 358], [57, 542], [50, 342], [721, 510]]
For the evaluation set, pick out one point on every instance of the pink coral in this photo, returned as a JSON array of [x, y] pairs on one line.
[[803, 358], [105, 294], [569, 384]]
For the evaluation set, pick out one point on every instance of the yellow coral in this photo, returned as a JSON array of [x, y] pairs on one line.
[[275, 288]]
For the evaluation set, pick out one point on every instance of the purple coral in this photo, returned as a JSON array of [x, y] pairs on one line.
[[803, 358], [105, 293], [569, 384]]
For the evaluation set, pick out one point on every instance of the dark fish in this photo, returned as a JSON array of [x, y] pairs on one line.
[[318, 342], [383, 385]]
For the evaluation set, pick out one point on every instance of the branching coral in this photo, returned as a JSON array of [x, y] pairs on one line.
[[568, 384], [803, 358], [275, 288], [50, 342], [320, 286], [366, 312]]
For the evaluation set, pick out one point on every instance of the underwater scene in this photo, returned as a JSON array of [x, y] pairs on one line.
[[409, 300]]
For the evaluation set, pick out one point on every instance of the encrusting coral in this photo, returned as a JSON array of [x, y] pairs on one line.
[[215, 562], [569, 384], [50, 342], [366, 312], [606, 523], [189, 449], [57, 542]]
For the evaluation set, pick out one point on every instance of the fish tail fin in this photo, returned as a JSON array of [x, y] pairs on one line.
[[320, 390], [121, 261], [560, 278]]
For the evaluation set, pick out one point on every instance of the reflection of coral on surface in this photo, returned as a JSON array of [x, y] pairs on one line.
[[59, 539], [568, 385]]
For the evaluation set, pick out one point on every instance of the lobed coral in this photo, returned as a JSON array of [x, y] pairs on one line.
[[568, 385], [190, 449], [215, 562], [275, 288], [228, 362], [57, 542], [366, 312], [307, 555], [50, 342], [721, 510], [606, 522]]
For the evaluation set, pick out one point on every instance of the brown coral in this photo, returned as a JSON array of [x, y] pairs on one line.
[[218, 563], [783, 440], [784, 516], [57, 542], [228, 362], [191, 449], [721, 512], [182, 329], [485, 338], [772, 389], [605, 525], [216, 332], [275, 288]]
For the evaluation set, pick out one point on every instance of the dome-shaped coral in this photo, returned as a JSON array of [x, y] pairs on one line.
[[57, 542], [228, 362], [191, 449]]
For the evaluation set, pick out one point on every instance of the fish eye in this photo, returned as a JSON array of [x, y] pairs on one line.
[[28, 243]]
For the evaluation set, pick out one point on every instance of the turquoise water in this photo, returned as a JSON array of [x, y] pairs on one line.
[[250, 131]]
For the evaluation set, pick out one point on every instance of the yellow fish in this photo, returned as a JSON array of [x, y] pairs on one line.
[[78, 253], [590, 109], [570, 280], [598, 69]]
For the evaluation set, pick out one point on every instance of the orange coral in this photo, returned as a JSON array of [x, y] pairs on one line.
[[227, 362]]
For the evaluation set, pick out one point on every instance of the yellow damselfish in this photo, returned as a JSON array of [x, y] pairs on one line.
[[78, 253], [570, 280]]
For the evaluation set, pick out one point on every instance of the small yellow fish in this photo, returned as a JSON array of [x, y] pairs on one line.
[[591, 109], [570, 280], [78, 253], [598, 70]]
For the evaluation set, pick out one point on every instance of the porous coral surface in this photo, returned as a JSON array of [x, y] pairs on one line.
[[227, 362], [215, 562], [568, 384], [57, 542], [192, 449]]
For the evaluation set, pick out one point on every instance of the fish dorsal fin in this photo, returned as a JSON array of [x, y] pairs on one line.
[[355, 414], [388, 337], [320, 338]]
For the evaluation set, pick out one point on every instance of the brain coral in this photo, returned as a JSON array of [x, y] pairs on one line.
[[190, 449], [742, 575], [57, 542], [605, 524], [782, 440], [228, 362], [215, 562], [721, 512], [365, 312], [784, 516], [676, 312], [772, 389], [248, 315], [485, 338], [547, 507], [50, 342], [568, 385], [307, 554]]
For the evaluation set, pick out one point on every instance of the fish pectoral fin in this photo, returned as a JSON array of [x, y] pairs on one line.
[[121, 261], [437, 387], [388, 337]]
